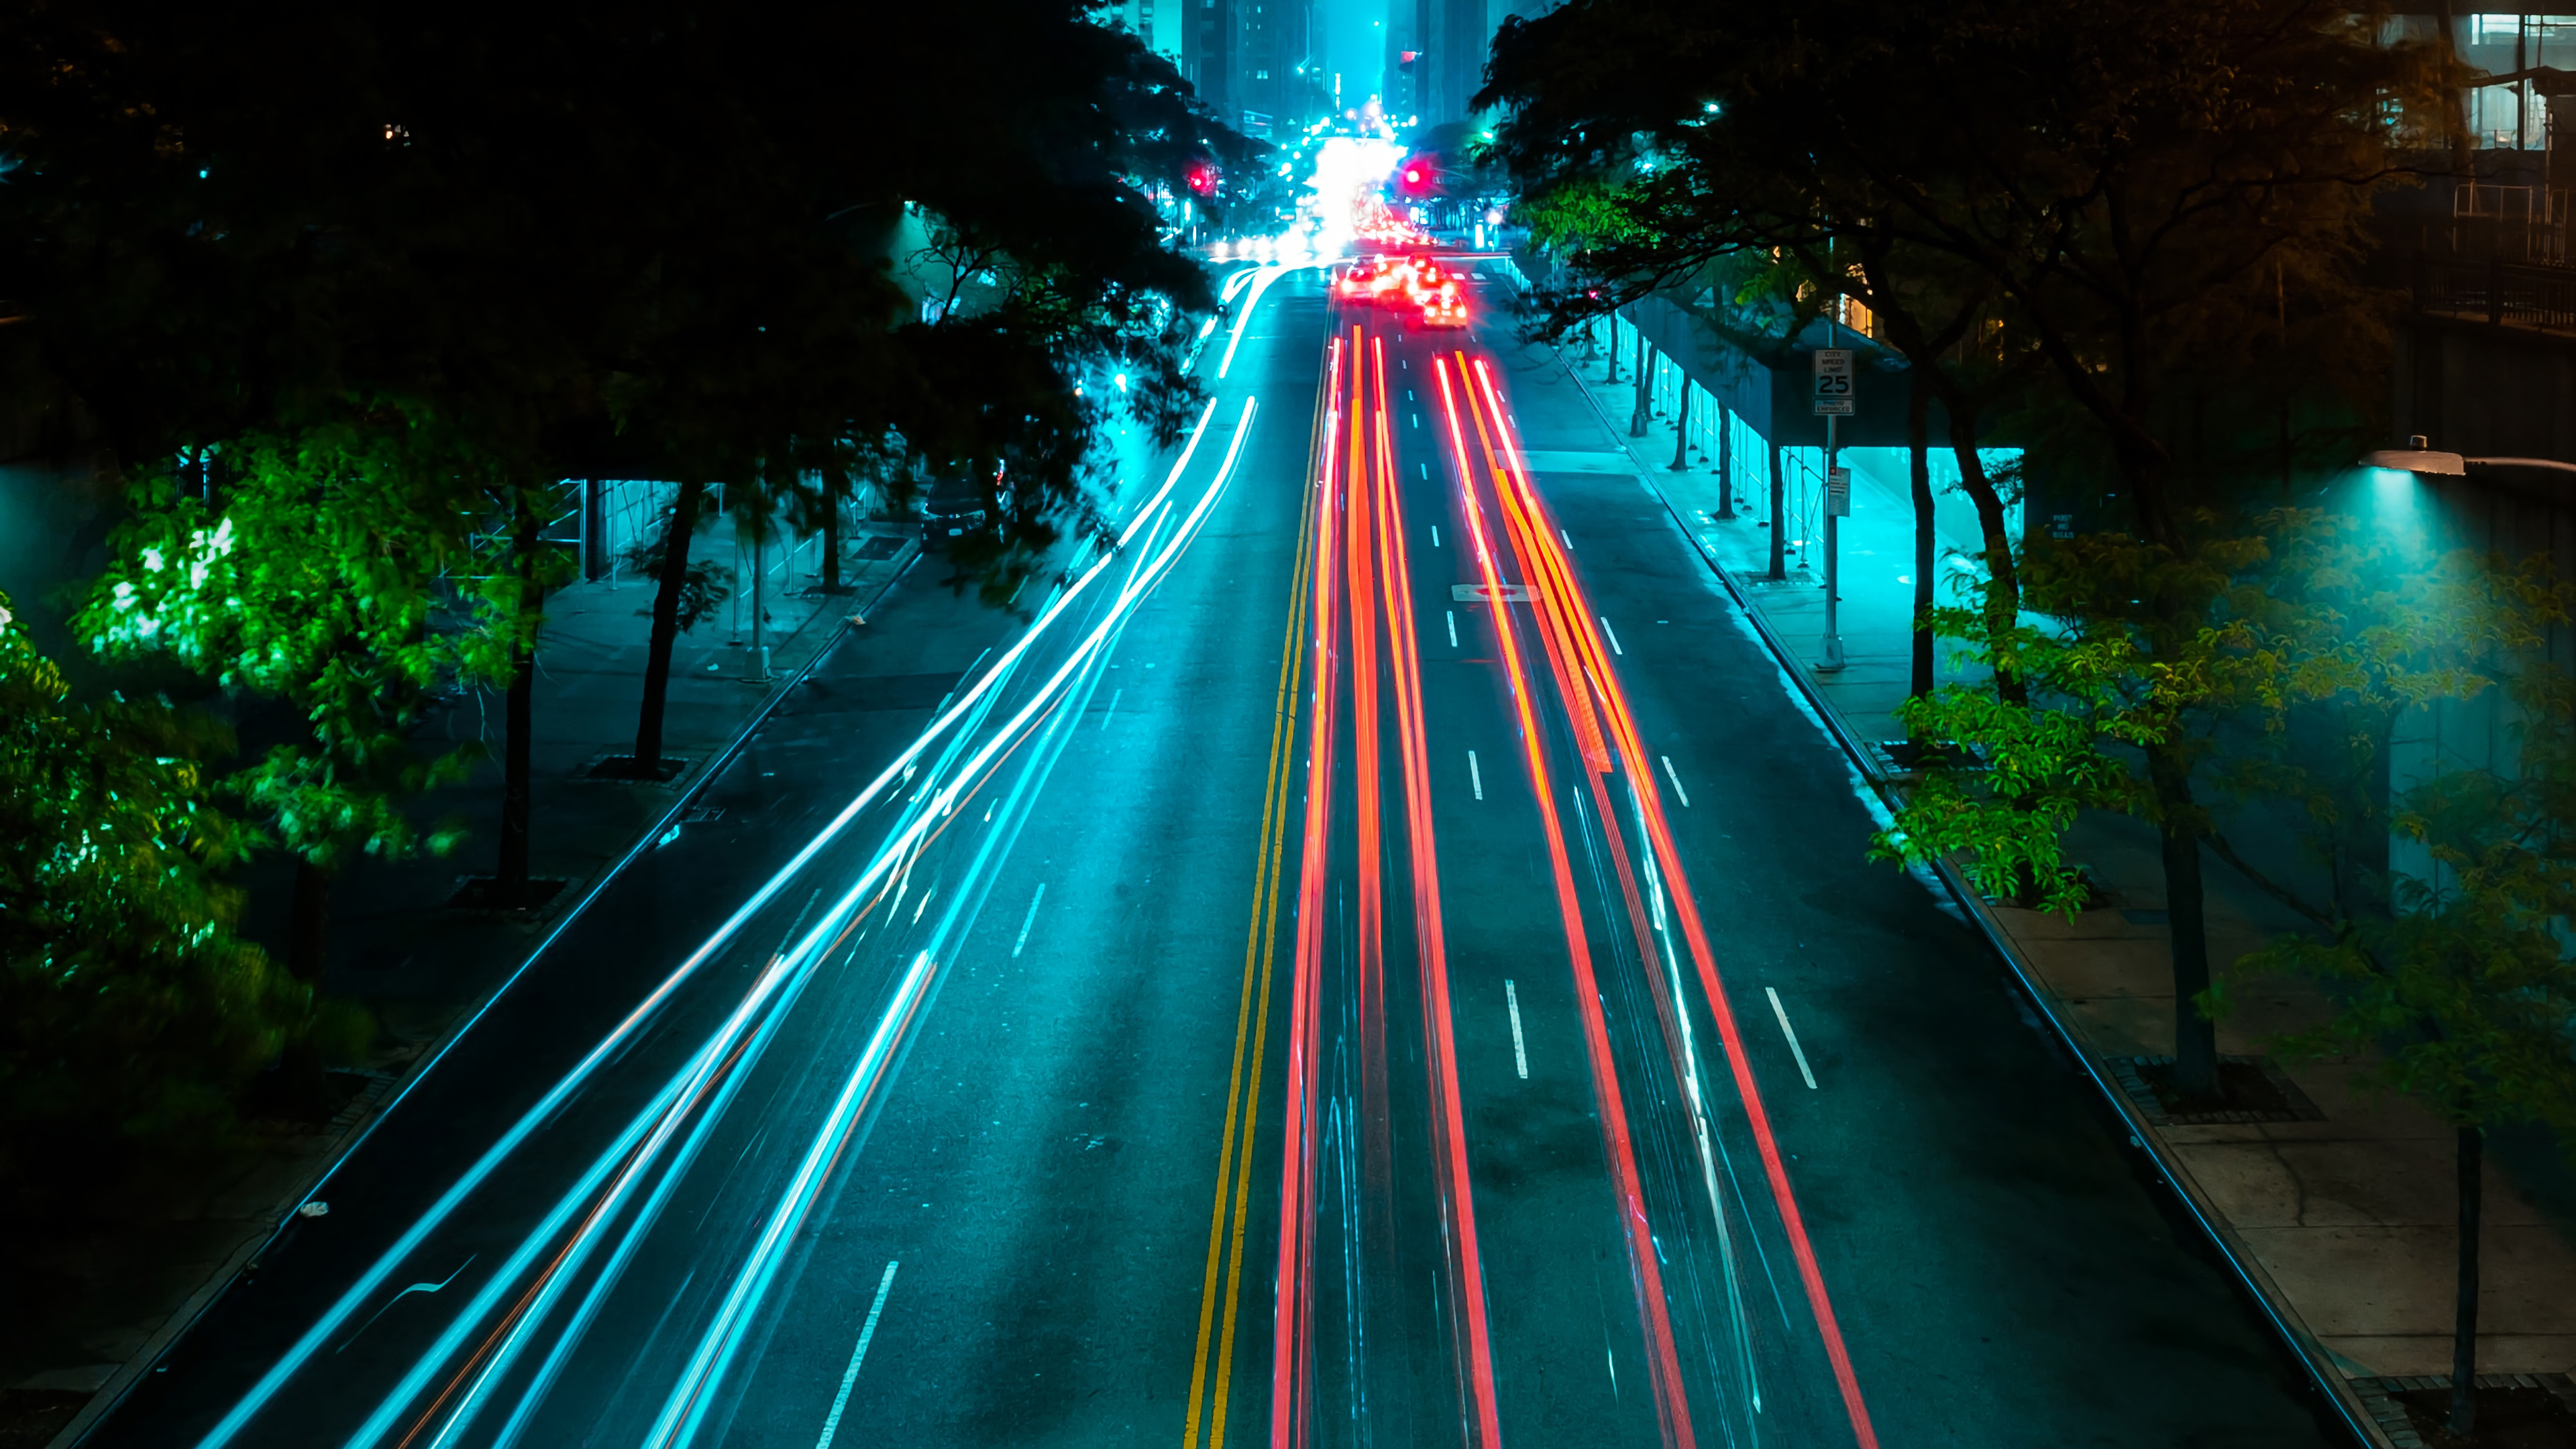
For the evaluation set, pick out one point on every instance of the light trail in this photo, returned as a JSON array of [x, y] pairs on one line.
[[609, 1046], [1368, 954], [1672, 1408], [1685, 906], [1290, 1359], [1234, 1155], [1474, 1351], [902, 850], [684, 1412]]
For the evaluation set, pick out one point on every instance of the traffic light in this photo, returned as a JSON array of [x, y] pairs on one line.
[[1202, 178], [1419, 175]]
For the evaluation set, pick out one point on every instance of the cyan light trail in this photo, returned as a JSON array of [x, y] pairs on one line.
[[969, 706]]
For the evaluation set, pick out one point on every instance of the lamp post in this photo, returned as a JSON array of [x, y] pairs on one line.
[[2420, 457]]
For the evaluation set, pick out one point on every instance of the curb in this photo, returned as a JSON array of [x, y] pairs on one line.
[[111, 1394], [2328, 1380]]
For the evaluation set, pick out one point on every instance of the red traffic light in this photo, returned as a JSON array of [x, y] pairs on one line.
[[1420, 175], [1202, 178]]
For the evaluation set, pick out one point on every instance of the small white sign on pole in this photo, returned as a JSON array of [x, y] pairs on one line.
[[1833, 382], [1838, 492]]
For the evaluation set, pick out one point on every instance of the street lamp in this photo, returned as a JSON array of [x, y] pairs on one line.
[[2419, 457]]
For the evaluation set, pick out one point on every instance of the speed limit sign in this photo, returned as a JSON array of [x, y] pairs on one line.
[[1833, 382]]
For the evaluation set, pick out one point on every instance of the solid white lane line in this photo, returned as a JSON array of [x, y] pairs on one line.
[[1112, 709], [1453, 628], [867, 1331], [1475, 776], [1795, 1050], [1614, 637], [1028, 920], [1520, 1056], [1676, 779]]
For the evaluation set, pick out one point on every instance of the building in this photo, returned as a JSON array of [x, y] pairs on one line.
[[1245, 57]]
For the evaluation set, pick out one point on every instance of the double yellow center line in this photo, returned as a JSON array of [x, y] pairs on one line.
[[1252, 1022]]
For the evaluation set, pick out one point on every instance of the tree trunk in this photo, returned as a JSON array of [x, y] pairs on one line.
[[1918, 442], [1612, 351], [2464, 1327], [308, 934], [2003, 595], [831, 544], [666, 625], [1637, 414], [1681, 431], [1725, 463], [510, 879], [2195, 1035], [1779, 522]]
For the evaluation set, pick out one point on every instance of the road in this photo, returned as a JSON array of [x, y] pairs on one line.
[[1383, 958]]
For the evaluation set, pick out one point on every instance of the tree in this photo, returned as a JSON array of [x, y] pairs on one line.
[[2109, 715], [129, 1011], [305, 575], [2447, 956], [2132, 182]]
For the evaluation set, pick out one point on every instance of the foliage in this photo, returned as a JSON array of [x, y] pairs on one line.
[[2157, 194], [2103, 681], [127, 1005], [309, 577], [2450, 957], [704, 586]]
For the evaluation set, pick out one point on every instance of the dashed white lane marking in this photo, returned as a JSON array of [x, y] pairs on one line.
[[1453, 627], [1614, 637], [1028, 920], [1795, 1050], [1106, 714], [1426, 472], [1569, 543], [1520, 1055], [1475, 776], [1435, 535], [850, 1376], [1676, 779]]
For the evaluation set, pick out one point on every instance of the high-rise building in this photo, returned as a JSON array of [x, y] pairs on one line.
[[1243, 57]]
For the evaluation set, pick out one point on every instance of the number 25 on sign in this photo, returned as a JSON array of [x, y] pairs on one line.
[[1833, 382]]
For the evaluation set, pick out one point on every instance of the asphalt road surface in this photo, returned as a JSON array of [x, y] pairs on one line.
[[1382, 958]]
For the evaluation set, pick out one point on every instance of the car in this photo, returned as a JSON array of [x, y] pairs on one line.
[[1444, 308]]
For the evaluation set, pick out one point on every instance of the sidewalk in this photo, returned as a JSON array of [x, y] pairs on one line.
[[2338, 1210], [96, 1301]]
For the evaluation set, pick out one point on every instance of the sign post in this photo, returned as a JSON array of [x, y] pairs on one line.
[[1834, 400]]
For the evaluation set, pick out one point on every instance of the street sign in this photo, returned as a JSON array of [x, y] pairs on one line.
[[1833, 382], [1837, 490]]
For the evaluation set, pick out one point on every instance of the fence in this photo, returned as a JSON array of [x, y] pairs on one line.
[[2491, 289]]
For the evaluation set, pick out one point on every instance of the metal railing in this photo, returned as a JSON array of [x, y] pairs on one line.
[[2490, 289]]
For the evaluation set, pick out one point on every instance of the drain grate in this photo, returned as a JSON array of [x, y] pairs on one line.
[[2255, 1089]]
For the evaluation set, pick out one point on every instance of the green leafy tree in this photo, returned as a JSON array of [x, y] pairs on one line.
[[2115, 716], [2444, 957], [308, 574], [129, 1011]]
